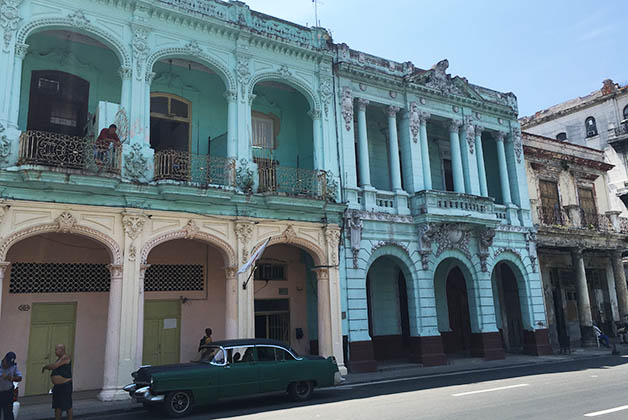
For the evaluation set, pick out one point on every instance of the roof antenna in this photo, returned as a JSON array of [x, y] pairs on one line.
[[316, 3]]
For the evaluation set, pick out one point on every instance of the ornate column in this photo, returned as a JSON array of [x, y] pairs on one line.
[[232, 123], [20, 53], [332, 240], [317, 133], [3, 269], [324, 312], [111, 387], [456, 159], [479, 155], [425, 151], [363, 146], [139, 347], [231, 303], [126, 76], [393, 149], [584, 303], [620, 284], [469, 164], [503, 168], [244, 233]]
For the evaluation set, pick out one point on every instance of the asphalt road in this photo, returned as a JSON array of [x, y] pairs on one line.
[[580, 389]]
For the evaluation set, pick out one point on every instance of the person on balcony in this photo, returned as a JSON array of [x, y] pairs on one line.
[[106, 138]]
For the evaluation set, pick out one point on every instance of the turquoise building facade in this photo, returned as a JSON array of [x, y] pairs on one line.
[[387, 196]]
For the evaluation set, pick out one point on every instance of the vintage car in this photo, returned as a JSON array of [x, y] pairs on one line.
[[232, 369]]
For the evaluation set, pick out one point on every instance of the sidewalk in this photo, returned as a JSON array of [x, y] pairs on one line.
[[86, 403]]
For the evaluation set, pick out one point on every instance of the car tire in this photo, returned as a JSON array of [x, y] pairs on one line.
[[179, 403], [301, 391]]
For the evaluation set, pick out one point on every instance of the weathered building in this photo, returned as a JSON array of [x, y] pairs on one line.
[[580, 238]]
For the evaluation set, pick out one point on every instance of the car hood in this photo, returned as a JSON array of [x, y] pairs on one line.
[[144, 374]]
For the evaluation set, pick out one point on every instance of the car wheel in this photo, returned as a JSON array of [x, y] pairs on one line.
[[301, 391], [179, 403]]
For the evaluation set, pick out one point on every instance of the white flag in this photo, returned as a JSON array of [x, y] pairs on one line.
[[254, 257]]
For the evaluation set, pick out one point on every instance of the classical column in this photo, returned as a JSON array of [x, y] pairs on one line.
[[324, 313], [425, 150], [148, 82], [317, 133], [363, 145], [620, 284], [584, 304], [469, 164], [3, 269], [479, 155], [503, 168], [139, 349], [393, 148], [232, 123], [20, 53], [112, 340], [231, 303], [456, 159], [126, 75]]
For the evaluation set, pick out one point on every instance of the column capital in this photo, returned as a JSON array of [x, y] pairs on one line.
[[454, 125], [116, 271], [478, 130], [391, 111], [577, 252], [231, 95], [231, 272], [322, 273], [499, 136], [315, 114], [150, 75], [423, 117], [617, 253], [125, 72], [21, 50], [362, 103], [3, 267], [143, 268]]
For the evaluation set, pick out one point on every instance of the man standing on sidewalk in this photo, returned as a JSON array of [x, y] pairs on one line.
[[8, 375], [61, 378]]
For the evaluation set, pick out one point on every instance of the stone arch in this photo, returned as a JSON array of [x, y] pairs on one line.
[[396, 251], [289, 79], [515, 264], [197, 56], [317, 253], [227, 252], [76, 25], [109, 243]]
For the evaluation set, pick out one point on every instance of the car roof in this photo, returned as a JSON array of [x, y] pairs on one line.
[[248, 342]]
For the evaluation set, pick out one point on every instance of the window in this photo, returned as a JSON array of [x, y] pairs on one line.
[[448, 175], [590, 126], [625, 113], [170, 121], [265, 354], [263, 131], [549, 211], [561, 136], [268, 272], [587, 204]]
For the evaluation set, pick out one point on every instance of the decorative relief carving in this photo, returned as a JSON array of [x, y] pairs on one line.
[[3, 209], [244, 73], [485, 241], [133, 224], [531, 248], [380, 244], [325, 92], [135, 164], [116, 271], [454, 125], [347, 108], [231, 272], [451, 236], [284, 71], [391, 111], [132, 253], [125, 72], [355, 225], [78, 19], [500, 251], [438, 79], [9, 18], [122, 122], [194, 48], [289, 234], [65, 222], [140, 48], [150, 75], [478, 129], [414, 121], [517, 144], [231, 95], [5, 145], [243, 231], [332, 236], [426, 236], [315, 114], [191, 229], [21, 50]]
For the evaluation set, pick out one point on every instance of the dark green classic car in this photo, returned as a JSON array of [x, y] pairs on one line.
[[232, 369]]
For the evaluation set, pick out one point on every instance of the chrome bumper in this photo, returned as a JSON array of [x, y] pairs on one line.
[[142, 394], [338, 378]]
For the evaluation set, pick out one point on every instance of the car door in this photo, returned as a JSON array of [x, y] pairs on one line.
[[276, 367], [239, 376]]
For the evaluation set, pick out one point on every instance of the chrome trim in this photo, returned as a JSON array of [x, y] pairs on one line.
[[338, 378], [156, 398], [130, 388]]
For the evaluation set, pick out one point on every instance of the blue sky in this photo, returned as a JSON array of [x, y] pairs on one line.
[[546, 52]]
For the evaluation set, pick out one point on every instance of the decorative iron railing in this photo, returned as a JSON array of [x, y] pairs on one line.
[[63, 151], [293, 181], [596, 221], [553, 216], [199, 170]]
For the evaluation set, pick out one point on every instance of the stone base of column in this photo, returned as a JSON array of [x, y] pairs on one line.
[[537, 343], [487, 345], [427, 350], [587, 336], [361, 357], [114, 394]]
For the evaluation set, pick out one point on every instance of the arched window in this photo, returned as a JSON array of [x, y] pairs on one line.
[[170, 120], [590, 126], [626, 113], [561, 136]]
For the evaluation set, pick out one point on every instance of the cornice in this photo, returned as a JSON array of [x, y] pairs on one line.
[[530, 151]]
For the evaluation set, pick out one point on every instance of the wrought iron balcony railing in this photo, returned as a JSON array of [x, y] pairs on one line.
[[69, 152], [199, 170], [553, 216], [296, 182], [574, 217]]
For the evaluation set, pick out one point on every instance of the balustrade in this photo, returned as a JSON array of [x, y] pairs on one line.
[[200, 170], [297, 182]]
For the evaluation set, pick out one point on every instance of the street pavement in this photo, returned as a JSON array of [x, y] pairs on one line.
[[578, 389]]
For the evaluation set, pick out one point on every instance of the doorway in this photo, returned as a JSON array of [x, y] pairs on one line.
[[170, 120], [510, 308], [162, 332], [272, 319], [459, 337]]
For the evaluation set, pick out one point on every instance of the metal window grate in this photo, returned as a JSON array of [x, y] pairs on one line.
[[171, 277], [58, 278]]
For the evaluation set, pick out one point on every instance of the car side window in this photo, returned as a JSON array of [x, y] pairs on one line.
[[281, 354], [266, 354], [240, 355]]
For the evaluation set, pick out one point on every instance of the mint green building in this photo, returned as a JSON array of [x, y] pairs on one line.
[[391, 201]]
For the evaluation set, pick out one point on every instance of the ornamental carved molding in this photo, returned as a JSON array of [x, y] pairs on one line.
[[5, 146], [485, 241], [383, 217], [289, 234], [115, 270], [426, 236], [9, 18], [379, 244], [391, 111], [122, 122], [414, 121], [450, 236], [284, 71], [78, 19], [500, 251], [347, 108], [191, 230], [4, 207], [287, 237], [194, 48], [355, 225], [133, 224], [244, 231], [140, 48], [231, 272], [531, 241], [325, 91], [517, 143], [64, 223], [332, 238], [469, 134], [135, 164], [243, 73]]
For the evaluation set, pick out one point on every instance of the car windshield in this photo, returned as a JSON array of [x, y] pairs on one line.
[[212, 355]]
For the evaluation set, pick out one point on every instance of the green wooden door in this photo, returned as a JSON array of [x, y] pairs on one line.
[[51, 324], [162, 332]]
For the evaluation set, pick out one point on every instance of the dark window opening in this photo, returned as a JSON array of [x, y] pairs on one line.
[[590, 126], [448, 175], [561, 136], [169, 123], [266, 272]]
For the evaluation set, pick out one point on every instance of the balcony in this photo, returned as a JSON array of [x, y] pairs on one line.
[[446, 204], [68, 152], [574, 217], [293, 182], [618, 135], [197, 170]]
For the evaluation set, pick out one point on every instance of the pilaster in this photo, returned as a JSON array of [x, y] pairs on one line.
[[469, 162], [410, 147]]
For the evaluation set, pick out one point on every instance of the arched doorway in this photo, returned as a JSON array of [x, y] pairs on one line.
[[56, 291], [286, 297], [508, 305], [387, 302], [184, 293], [459, 337]]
